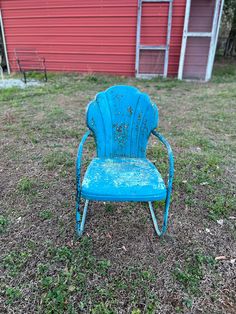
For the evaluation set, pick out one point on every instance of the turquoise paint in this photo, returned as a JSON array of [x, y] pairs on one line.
[[123, 179], [121, 120]]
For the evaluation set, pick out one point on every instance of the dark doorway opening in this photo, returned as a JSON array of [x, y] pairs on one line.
[[3, 61]]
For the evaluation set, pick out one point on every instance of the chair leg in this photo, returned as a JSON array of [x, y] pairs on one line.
[[80, 223], [24, 75], [165, 219], [45, 75]]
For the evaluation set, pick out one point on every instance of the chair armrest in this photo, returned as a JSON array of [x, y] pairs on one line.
[[170, 156], [79, 159]]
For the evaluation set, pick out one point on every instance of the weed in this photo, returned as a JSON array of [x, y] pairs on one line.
[[191, 275], [12, 294], [63, 253], [25, 185], [15, 261], [136, 311], [45, 214], [103, 266], [101, 308], [3, 223], [221, 206], [109, 208]]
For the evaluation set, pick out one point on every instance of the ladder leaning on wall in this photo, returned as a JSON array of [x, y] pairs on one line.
[[140, 47]]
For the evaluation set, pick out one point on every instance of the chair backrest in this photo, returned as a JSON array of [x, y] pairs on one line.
[[29, 58], [122, 119]]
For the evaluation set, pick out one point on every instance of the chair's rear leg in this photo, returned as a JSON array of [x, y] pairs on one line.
[[80, 223], [45, 75], [24, 75]]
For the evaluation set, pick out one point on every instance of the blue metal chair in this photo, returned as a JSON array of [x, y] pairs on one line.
[[121, 120]]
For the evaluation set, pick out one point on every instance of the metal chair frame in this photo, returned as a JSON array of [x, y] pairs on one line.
[[28, 56], [81, 217]]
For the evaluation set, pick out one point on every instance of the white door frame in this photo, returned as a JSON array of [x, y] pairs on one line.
[[4, 42]]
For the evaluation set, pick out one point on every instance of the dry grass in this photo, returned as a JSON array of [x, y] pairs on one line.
[[119, 266]]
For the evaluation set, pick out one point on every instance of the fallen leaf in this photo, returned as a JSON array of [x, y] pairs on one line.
[[219, 258], [124, 248], [220, 222]]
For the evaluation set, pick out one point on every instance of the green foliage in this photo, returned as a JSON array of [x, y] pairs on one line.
[[45, 214], [221, 206], [101, 308], [3, 223], [15, 261], [109, 208], [25, 185], [12, 294], [191, 275]]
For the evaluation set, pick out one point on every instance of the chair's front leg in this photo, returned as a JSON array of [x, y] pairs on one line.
[[80, 224], [169, 187]]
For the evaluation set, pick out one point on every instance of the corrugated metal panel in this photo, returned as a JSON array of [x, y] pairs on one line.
[[88, 35]]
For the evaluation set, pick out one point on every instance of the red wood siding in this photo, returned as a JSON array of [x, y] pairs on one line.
[[89, 35]]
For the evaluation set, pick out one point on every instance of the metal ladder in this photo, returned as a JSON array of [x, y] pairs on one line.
[[148, 47]]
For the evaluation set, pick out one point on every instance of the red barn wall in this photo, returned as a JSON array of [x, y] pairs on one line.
[[88, 35]]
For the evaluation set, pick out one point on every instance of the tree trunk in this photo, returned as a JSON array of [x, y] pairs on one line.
[[230, 45]]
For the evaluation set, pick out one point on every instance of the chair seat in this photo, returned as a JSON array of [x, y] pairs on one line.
[[123, 179]]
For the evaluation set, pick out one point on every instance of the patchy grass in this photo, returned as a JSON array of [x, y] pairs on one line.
[[25, 185], [58, 159], [191, 275], [119, 266], [46, 214]]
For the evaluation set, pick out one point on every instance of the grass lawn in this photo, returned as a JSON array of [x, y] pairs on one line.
[[119, 266]]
